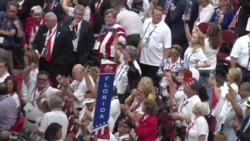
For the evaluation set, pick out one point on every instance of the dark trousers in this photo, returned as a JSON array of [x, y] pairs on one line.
[[133, 40], [245, 75], [150, 71]]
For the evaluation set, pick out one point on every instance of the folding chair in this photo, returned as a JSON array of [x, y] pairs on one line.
[[203, 27]]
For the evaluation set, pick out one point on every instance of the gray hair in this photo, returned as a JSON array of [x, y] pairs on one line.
[[111, 11], [202, 107], [37, 9], [132, 52], [51, 16], [56, 102], [79, 7]]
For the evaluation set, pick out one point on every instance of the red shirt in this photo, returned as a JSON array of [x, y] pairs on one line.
[[147, 128]]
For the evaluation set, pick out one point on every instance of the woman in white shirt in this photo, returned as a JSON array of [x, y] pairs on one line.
[[211, 48], [194, 56], [12, 89], [30, 59], [197, 130], [206, 12]]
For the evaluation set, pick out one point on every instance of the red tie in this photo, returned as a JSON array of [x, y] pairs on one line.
[[48, 55]]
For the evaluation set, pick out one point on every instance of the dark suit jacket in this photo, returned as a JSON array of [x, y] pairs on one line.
[[62, 48], [85, 41], [244, 136], [103, 7], [243, 17], [57, 9], [175, 22]]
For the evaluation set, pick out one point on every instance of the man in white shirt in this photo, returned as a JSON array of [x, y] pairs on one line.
[[3, 70], [77, 89], [124, 18], [185, 107], [155, 44], [36, 89], [240, 55], [56, 115], [115, 109]]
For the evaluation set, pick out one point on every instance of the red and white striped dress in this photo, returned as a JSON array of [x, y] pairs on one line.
[[106, 43]]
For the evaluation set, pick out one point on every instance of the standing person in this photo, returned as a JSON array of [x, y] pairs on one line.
[[240, 55], [124, 18], [212, 44], [175, 23], [55, 7], [81, 33], [155, 46], [8, 109], [243, 16], [53, 44], [194, 56], [197, 129], [10, 27], [105, 44]]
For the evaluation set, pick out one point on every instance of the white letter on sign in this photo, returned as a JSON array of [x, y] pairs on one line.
[[106, 78], [102, 110], [101, 116], [105, 91]]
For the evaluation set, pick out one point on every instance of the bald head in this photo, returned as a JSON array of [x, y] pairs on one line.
[[78, 72]]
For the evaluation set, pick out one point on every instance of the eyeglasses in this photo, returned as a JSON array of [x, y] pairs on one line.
[[42, 79]]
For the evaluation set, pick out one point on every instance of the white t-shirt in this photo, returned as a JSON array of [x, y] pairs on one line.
[[197, 128], [240, 50], [56, 116], [211, 55], [87, 13], [80, 88], [192, 58], [159, 39]]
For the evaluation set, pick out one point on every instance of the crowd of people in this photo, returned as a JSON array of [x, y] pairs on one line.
[[165, 87]]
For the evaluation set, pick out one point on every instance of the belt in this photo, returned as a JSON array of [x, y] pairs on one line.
[[31, 121], [133, 35]]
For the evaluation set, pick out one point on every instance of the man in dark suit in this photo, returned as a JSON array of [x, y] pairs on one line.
[[176, 24], [55, 48], [54, 6], [81, 35]]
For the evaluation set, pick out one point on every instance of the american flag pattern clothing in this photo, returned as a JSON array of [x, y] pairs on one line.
[[106, 40], [101, 134]]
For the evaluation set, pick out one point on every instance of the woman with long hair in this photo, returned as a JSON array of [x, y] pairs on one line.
[[194, 56], [12, 89], [212, 44]]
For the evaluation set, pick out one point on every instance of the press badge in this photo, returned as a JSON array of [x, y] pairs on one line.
[[248, 65], [145, 42], [44, 52]]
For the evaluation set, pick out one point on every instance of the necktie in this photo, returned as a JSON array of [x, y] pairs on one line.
[[49, 45], [51, 5], [166, 6]]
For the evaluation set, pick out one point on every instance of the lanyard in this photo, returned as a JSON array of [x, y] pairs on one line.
[[120, 73], [150, 32], [34, 91]]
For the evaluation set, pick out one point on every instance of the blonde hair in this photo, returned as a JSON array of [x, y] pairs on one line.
[[32, 56], [94, 72], [147, 85], [202, 107], [200, 40], [235, 74], [220, 137]]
